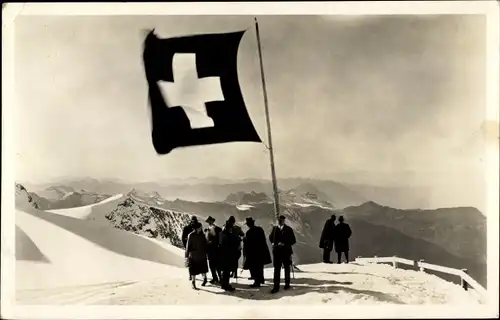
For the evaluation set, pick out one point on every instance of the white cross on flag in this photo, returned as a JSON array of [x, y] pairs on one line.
[[194, 93]]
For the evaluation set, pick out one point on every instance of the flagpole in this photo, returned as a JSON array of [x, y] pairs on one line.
[[271, 154]]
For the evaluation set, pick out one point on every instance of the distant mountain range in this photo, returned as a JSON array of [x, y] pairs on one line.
[[61, 197], [454, 237], [214, 190], [339, 194]]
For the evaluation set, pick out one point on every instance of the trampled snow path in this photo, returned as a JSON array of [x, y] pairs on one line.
[[64, 260], [317, 284]]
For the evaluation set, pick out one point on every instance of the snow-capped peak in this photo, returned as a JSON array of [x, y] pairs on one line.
[[152, 198]]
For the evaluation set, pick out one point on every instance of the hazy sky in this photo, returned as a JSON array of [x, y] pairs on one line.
[[387, 100]]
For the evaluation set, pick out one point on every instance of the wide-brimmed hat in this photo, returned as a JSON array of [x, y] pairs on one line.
[[232, 219], [194, 219], [341, 218], [249, 220], [210, 218], [282, 217]]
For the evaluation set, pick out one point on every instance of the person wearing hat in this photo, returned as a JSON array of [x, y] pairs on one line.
[[282, 239], [212, 233], [187, 230], [196, 254], [229, 245], [342, 234], [255, 252], [327, 239]]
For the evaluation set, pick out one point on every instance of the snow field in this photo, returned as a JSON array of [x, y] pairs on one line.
[[66, 260]]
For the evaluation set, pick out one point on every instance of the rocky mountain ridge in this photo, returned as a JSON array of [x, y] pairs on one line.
[[132, 215]]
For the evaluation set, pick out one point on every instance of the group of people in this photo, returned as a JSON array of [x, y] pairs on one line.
[[335, 236], [219, 249]]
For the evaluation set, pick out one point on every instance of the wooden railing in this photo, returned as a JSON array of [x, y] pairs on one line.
[[466, 280]]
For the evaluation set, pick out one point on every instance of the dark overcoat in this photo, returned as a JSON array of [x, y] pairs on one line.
[[286, 237], [229, 242], [196, 253], [327, 236], [342, 234], [185, 233], [255, 250], [240, 233]]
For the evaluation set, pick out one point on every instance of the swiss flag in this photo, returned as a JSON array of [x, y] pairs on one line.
[[194, 93]]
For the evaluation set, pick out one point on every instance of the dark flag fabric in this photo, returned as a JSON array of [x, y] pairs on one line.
[[194, 92]]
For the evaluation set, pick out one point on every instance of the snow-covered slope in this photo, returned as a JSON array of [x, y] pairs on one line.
[[316, 284], [91, 212], [54, 250]]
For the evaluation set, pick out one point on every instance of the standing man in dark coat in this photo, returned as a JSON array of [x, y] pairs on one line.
[[229, 243], [255, 252], [327, 239], [237, 230], [342, 234], [196, 254], [213, 233], [187, 230], [282, 238]]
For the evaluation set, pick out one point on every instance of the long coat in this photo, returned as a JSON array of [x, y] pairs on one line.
[[285, 236], [327, 236], [196, 253], [229, 242], [255, 249], [342, 234], [212, 234]]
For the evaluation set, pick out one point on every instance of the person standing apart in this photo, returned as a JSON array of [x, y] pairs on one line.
[[255, 252], [212, 233], [327, 239], [282, 239], [342, 234], [196, 254]]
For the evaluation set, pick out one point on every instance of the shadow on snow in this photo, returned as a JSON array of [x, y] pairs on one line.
[[301, 286]]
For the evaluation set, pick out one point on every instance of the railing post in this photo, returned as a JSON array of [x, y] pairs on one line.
[[464, 283], [394, 262], [375, 259], [420, 266]]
